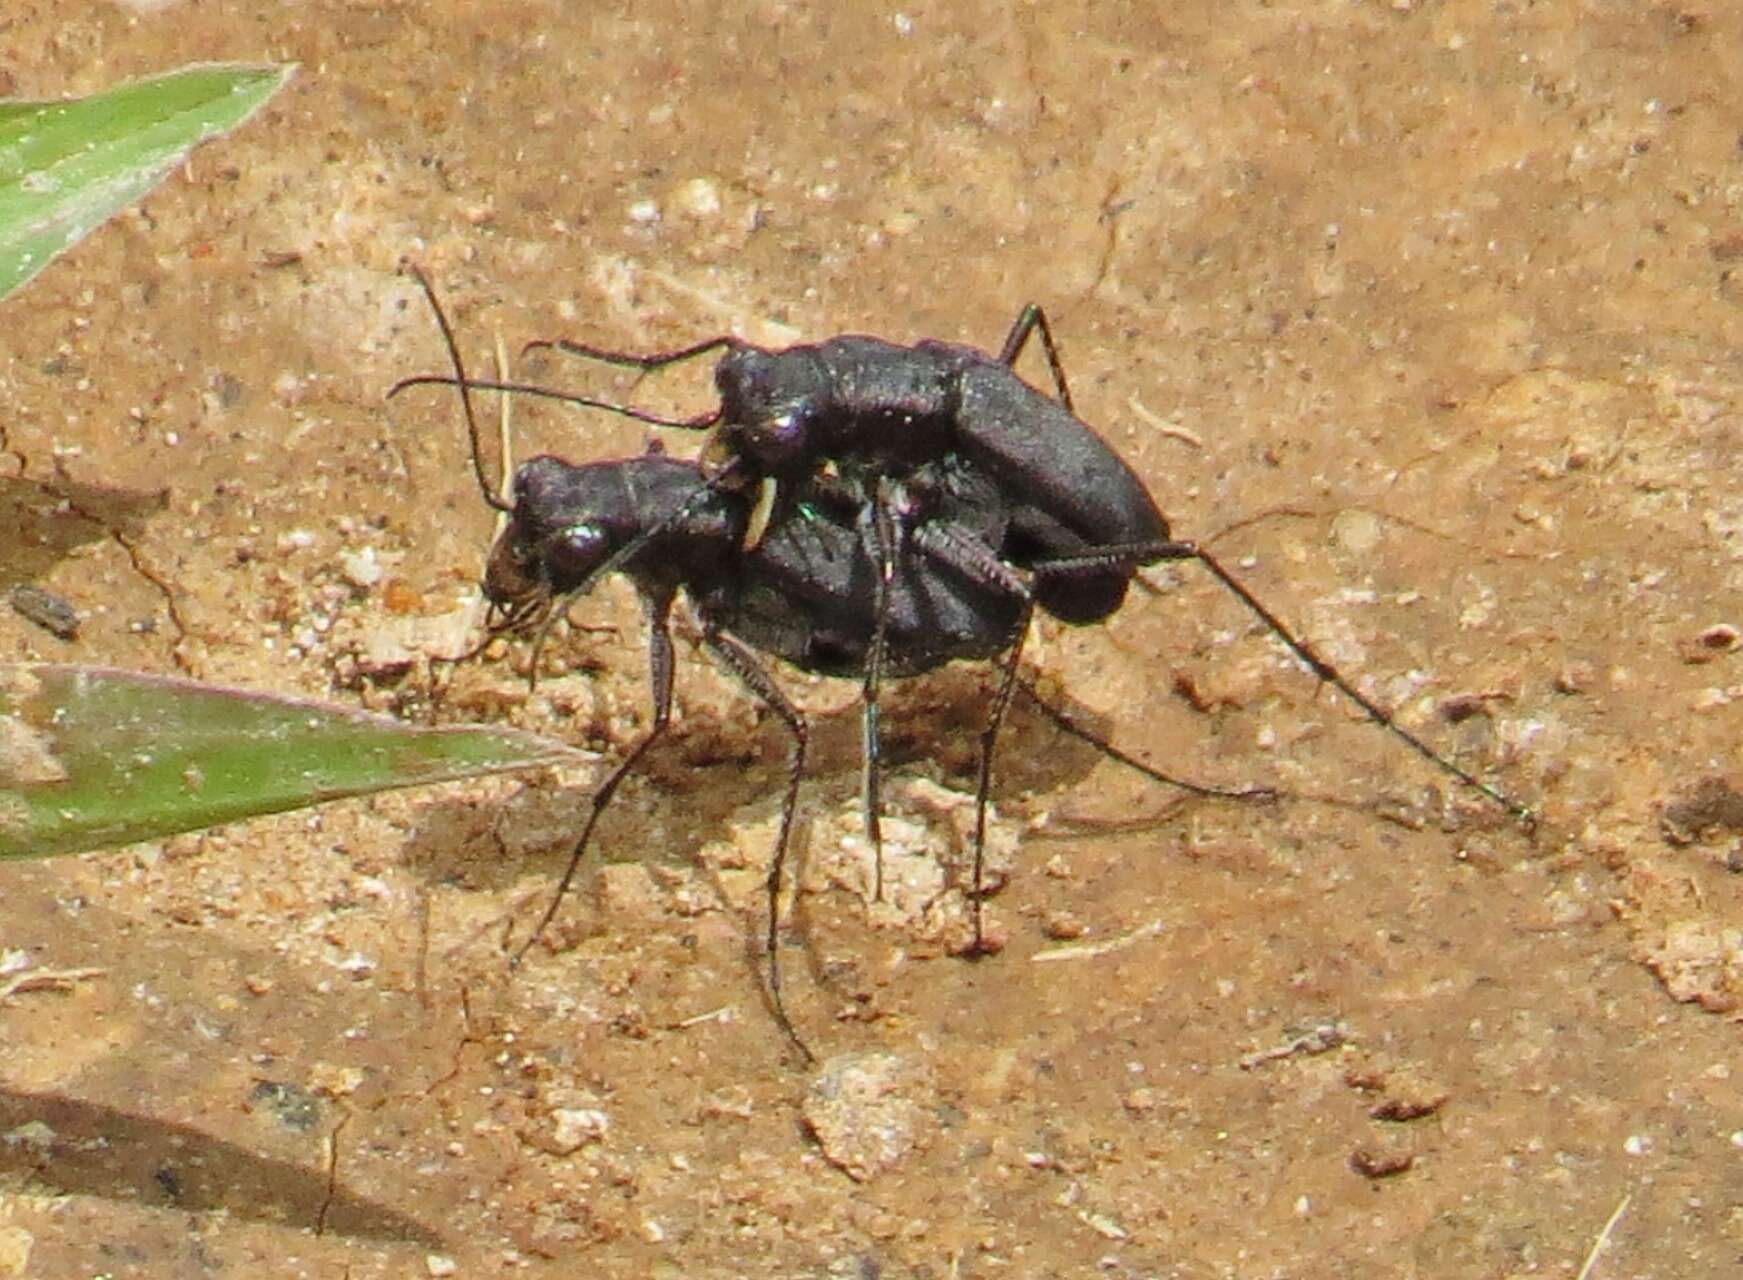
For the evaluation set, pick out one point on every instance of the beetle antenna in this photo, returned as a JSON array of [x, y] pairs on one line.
[[701, 422], [459, 380]]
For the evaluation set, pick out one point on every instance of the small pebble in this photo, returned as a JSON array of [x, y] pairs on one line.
[[570, 1129], [869, 1112], [360, 568], [1062, 926], [46, 610], [1140, 1100], [698, 198]]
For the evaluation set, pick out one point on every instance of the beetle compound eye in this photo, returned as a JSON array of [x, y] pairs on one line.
[[574, 554], [785, 434], [779, 439]]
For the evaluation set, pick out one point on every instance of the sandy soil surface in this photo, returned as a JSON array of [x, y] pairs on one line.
[[1424, 314]]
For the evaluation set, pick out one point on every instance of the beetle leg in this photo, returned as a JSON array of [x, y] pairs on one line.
[[743, 664], [660, 668], [1030, 319]]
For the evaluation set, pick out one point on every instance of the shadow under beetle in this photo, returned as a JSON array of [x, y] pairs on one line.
[[872, 509]]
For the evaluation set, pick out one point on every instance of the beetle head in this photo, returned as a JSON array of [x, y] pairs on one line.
[[567, 522], [772, 405]]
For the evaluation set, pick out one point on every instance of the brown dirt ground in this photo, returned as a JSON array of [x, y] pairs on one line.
[[1425, 313]]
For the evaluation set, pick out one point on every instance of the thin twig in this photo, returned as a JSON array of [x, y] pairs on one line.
[[1320, 1039], [332, 1174], [46, 980], [1090, 950], [1162, 425], [722, 1014], [1603, 1238]]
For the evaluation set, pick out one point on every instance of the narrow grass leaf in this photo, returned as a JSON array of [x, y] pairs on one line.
[[91, 758], [67, 166]]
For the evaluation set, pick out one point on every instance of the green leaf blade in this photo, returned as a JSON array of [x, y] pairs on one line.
[[92, 758], [66, 167]]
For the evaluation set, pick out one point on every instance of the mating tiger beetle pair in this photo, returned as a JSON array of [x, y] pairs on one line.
[[862, 509]]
